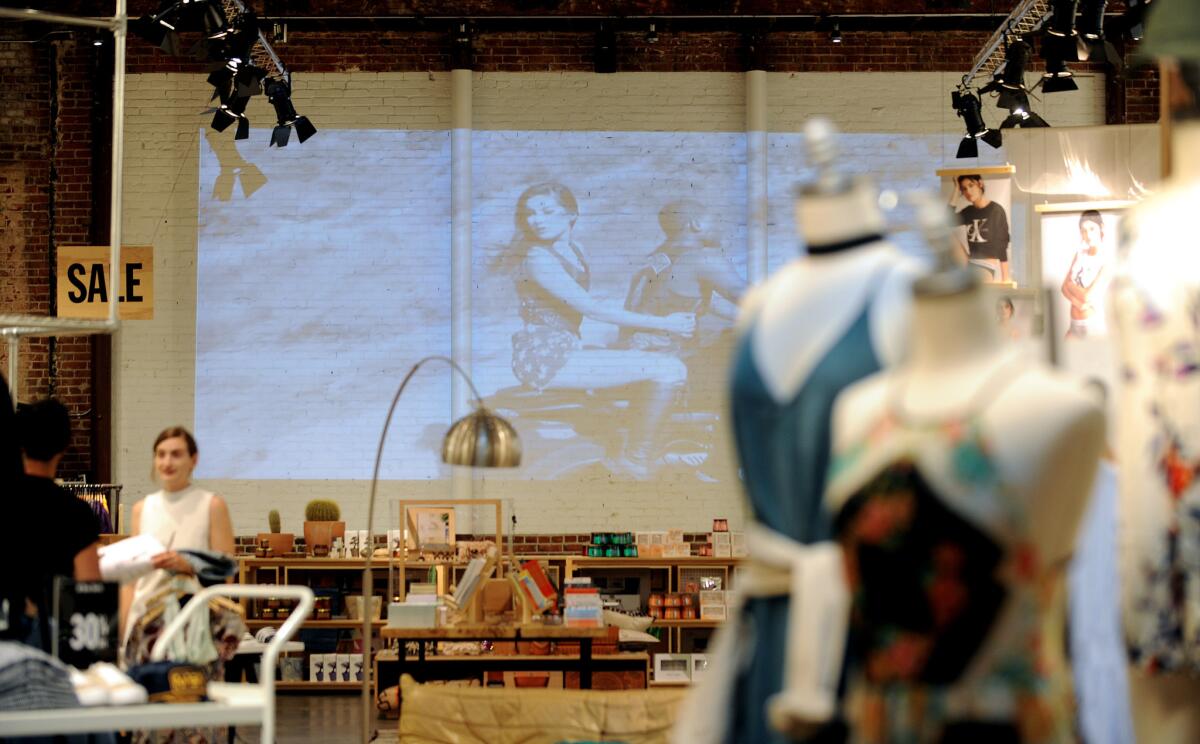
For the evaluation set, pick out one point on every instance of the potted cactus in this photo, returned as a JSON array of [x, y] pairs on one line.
[[322, 526], [280, 542]]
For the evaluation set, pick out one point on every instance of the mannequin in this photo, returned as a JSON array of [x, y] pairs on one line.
[[972, 465], [1153, 305], [817, 325]]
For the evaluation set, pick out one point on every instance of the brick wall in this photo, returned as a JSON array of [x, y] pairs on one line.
[[45, 184]]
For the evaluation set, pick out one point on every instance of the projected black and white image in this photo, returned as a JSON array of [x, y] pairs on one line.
[[606, 269], [610, 267]]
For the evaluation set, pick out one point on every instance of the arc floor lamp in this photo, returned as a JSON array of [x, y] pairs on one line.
[[481, 439]]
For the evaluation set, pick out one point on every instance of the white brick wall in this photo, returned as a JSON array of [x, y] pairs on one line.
[[902, 120]]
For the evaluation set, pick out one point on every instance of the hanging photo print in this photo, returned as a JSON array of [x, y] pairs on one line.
[[981, 199]]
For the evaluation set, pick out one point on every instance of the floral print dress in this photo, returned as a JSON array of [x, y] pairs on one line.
[[1156, 311], [948, 612]]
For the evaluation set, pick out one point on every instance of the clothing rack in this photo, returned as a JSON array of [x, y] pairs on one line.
[[105, 500]]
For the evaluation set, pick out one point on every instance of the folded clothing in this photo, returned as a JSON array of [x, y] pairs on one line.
[[31, 679], [129, 559], [104, 684], [211, 567]]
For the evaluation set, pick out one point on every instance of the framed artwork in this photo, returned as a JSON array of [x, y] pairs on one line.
[[1018, 316], [981, 199], [1079, 243], [1079, 252], [430, 528]]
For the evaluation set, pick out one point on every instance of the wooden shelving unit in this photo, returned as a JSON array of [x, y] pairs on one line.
[[679, 636]]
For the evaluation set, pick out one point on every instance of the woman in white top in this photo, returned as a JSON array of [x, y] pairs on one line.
[[180, 515]]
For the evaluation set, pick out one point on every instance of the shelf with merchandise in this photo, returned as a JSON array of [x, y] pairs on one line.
[[663, 576]]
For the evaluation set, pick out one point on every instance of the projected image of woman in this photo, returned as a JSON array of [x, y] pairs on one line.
[[1082, 285], [553, 279]]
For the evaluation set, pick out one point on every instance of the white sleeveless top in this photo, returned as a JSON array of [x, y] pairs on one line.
[[179, 520]]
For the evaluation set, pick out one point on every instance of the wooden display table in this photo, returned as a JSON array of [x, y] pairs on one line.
[[422, 668]]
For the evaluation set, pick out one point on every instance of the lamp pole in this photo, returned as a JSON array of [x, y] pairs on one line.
[[368, 582]]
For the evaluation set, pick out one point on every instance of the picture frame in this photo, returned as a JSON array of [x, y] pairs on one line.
[[981, 198], [430, 528], [672, 667]]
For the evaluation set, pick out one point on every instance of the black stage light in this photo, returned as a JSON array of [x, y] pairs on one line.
[[652, 33], [1061, 39], [606, 49], [967, 105], [1020, 114], [1134, 21], [1092, 44], [1058, 77], [280, 96], [1016, 60], [835, 36]]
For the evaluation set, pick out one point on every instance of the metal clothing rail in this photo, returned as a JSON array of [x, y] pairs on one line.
[[13, 327], [229, 704]]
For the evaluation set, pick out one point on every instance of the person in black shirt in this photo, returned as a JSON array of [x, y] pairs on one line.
[[57, 535], [987, 227]]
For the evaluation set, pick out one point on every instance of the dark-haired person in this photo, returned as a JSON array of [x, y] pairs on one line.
[[181, 516], [987, 227], [57, 533], [1085, 277]]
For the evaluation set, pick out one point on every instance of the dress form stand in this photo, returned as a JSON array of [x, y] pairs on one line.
[[1158, 450], [817, 325], [967, 449]]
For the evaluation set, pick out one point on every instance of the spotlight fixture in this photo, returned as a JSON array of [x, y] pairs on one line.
[[1134, 20], [162, 27], [835, 36], [279, 93], [1058, 77], [1061, 39], [652, 34], [1092, 44], [1016, 60], [1020, 114], [966, 104], [605, 60]]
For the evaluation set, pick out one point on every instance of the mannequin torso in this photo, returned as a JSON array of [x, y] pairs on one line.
[[817, 325], [992, 458]]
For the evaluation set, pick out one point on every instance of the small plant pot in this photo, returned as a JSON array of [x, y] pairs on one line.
[[322, 533], [280, 543]]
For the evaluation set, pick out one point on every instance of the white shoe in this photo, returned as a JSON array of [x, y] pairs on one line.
[[91, 692], [121, 689]]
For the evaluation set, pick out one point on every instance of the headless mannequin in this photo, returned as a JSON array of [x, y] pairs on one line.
[[833, 286], [1044, 433], [1161, 272], [793, 324]]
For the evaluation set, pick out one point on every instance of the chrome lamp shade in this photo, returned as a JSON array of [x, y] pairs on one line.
[[482, 440]]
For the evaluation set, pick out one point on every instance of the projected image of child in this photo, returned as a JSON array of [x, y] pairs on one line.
[[683, 274], [553, 279]]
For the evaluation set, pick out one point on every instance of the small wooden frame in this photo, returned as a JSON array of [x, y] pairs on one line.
[[443, 505]]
